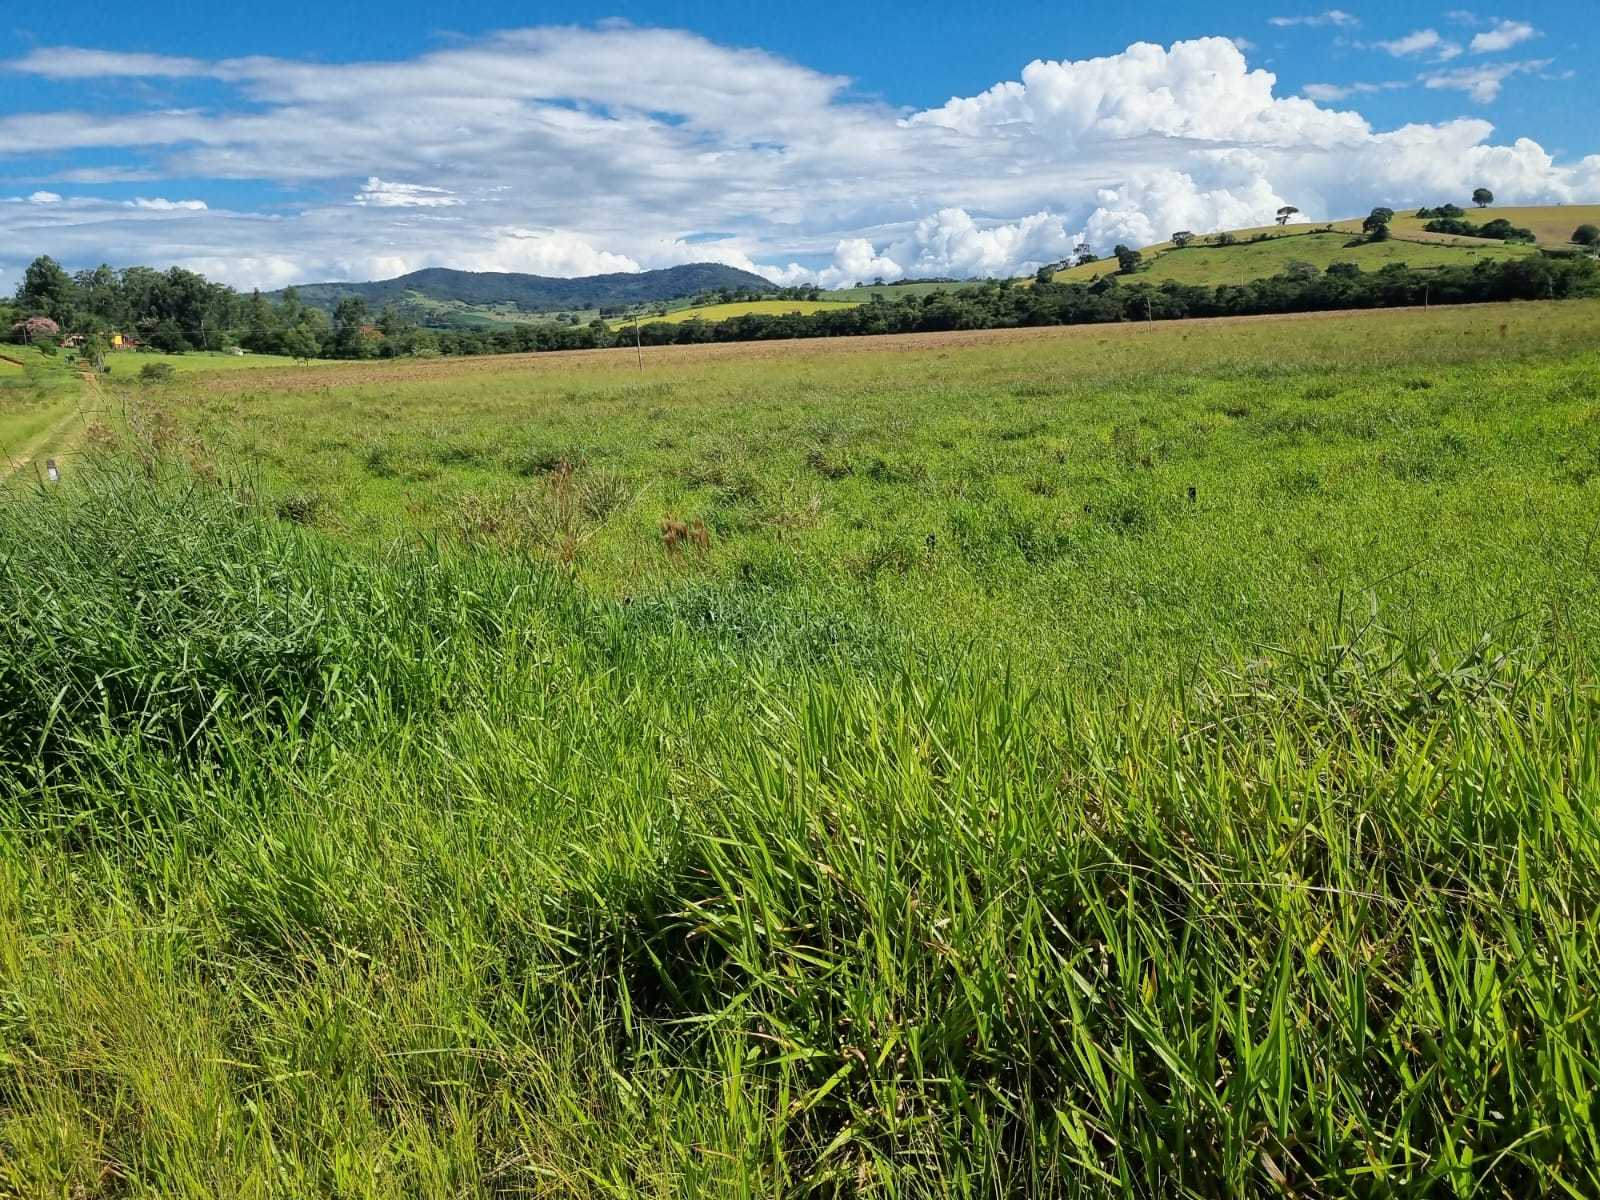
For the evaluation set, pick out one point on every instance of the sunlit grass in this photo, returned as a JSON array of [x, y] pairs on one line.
[[722, 312], [1005, 822]]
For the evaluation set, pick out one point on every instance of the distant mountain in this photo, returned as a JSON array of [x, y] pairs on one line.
[[532, 293]]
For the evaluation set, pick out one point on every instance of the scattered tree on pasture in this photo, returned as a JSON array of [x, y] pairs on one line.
[[1482, 197]]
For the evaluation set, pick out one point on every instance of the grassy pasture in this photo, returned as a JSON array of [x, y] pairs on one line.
[[1027, 462], [722, 312], [1552, 224], [1213, 265], [128, 365], [957, 806], [49, 409], [40, 414], [896, 291]]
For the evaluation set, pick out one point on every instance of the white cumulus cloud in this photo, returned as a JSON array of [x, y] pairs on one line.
[[1329, 92], [1423, 41], [1482, 83], [544, 252], [569, 151], [1503, 36], [1336, 17], [161, 204], [381, 193]]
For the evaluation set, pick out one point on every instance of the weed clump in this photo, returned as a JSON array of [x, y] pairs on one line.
[[826, 466], [555, 517]]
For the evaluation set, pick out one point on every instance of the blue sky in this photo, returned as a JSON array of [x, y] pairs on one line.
[[277, 142]]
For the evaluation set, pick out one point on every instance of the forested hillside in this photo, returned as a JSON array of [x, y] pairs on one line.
[[536, 293]]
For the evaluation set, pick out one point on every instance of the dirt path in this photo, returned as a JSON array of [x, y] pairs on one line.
[[60, 436], [56, 439]]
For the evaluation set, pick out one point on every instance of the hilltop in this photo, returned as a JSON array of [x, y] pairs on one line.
[[1263, 251], [478, 297]]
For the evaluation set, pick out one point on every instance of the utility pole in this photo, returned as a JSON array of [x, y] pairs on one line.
[[637, 344]]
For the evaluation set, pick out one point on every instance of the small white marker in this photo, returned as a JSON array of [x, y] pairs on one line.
[[50, 470]]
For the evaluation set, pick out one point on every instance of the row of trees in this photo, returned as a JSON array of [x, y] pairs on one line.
[[1500, 229], [1002, 305]]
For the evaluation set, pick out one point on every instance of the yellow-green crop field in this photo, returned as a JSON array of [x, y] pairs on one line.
[[722, 312]]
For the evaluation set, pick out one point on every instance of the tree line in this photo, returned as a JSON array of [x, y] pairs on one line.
[[178, 310], [1301, 289]]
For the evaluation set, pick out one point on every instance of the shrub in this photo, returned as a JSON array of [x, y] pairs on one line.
[[298, 508], [1586, 235], [156, 372], [1499, 229]]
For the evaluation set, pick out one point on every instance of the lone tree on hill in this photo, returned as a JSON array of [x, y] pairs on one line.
[[1284, 213], [1586, 235], [1128, 260], [1182, 238], [1376, 226], [1483, 197]]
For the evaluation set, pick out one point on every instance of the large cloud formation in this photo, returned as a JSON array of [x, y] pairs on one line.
[[569, 151]]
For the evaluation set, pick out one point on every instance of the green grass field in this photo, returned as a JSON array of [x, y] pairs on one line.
[[128, 365], [722, 312], [1070, 762], [40, 411], [48, 408], [895, 291]]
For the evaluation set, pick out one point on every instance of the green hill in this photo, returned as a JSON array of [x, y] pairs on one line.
[[1269, 250], [493, 297]]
